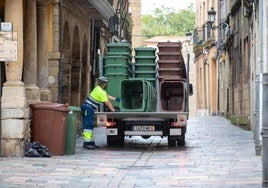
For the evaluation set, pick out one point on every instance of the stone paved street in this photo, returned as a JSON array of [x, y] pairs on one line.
[[217, 154]]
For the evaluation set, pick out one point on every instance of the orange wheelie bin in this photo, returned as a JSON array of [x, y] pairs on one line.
[[49, 125]]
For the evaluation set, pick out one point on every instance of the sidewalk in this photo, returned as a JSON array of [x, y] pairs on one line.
[[217, 155]]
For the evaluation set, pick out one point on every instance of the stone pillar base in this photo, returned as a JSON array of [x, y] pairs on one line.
[[15, 131], [13, 95], [45, 95], [32, 94], [12, 148]]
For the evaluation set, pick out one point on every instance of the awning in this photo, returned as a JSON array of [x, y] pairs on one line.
[[104, 8]]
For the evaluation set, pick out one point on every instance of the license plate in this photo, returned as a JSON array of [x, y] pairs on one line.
[[143, 128]]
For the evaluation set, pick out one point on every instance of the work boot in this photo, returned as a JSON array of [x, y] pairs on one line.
[[90, 145], [97, 147]]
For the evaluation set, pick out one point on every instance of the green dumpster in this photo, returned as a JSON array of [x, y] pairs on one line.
[[73, 119], [137, 95], [144, 51]]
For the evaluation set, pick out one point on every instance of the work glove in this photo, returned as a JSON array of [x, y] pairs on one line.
[[115, 110], [117, 99]]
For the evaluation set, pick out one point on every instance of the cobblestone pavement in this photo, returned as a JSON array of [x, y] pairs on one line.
[[217, 154]]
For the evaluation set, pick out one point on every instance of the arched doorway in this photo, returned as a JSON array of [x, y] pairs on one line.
[[75, 70], [84, 71], [65, 95]]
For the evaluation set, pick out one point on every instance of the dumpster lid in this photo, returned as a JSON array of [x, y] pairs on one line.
[[74, 108], [50, 105]]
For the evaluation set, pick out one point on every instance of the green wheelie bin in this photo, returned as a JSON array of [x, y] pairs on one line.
[[73, 120]]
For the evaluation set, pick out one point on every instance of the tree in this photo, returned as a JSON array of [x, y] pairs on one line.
[[166, 21]]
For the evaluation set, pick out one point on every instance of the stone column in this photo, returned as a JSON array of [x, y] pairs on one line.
[[13, 90], [13, 100], [30, 53], [42, 52]]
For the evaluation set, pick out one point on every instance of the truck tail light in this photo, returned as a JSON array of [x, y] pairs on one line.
[[181, 122], [110, 124], [101, 119], [175, 124]]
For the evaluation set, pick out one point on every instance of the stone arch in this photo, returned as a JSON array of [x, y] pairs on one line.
[[66, 51], [75, 69], [84, 70]]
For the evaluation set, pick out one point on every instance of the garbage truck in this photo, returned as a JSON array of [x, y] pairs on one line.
[[154, 93]]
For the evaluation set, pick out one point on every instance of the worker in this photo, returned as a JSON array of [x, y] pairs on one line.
[[93, 102]]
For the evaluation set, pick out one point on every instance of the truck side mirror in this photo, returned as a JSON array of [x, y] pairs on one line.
[[191, 92]]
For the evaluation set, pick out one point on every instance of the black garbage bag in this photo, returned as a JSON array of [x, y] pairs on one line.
[[35, 149]]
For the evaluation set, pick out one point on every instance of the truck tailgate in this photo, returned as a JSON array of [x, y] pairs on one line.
[[149, 116]]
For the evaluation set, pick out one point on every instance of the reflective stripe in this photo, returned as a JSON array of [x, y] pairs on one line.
[[88, 135], [93, 103]]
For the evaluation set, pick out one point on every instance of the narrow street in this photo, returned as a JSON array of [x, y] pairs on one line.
[[217, 154]]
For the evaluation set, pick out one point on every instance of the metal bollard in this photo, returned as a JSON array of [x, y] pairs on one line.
[[257, 114], [265, 131]]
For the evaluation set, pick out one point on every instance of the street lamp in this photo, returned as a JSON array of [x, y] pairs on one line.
[[188, 36], [211, 15], [189, 91], [211, 20], [188, 39]]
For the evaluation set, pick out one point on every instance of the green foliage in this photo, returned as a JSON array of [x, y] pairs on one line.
[[166, 21]]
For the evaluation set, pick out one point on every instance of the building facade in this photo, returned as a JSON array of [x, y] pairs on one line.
[[226, 53], [205, 60], [58, 45]]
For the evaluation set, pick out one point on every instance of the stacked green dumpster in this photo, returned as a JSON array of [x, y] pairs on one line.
[[145, 64], [117, 67], [119, 49]]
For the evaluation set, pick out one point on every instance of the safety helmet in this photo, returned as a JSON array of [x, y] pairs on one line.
[[103, 79]]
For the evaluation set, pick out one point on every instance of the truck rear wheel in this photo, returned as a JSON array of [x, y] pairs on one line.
[[171, 142], [181, 140], [145, 137], [115, 140]]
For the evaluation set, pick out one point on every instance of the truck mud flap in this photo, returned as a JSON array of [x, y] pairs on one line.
[[179, 140], [115, 140], [176, 136]]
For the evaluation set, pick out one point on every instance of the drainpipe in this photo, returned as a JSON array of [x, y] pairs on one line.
[[60, 75], [93, 47], [206, 113], [188, 80], [258, 84]]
